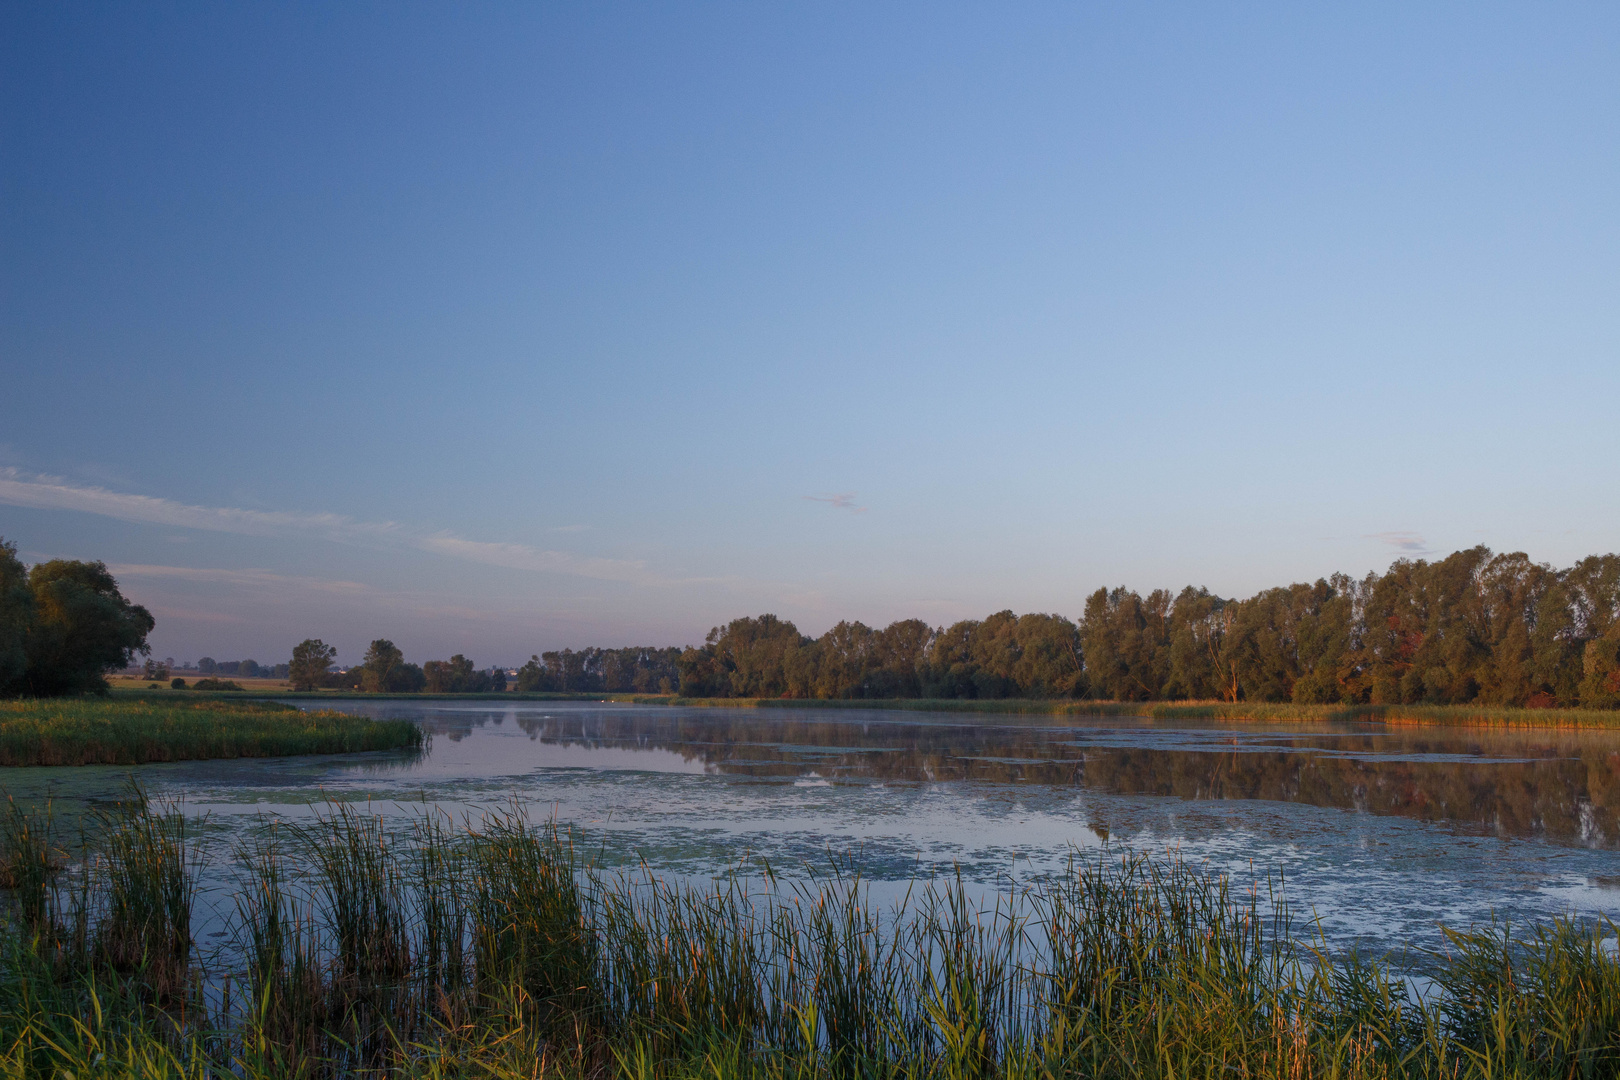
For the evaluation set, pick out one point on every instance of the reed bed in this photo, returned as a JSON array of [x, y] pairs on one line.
[[1475, 715], [124, 732], [490, 948]]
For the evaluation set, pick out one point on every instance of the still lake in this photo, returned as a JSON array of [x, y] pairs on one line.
[[1380, 833]]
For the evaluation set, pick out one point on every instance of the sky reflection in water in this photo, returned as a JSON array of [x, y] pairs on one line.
[[1381, 832]]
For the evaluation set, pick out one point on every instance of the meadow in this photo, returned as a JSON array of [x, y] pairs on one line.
[[120, 731], [126, 683], [490, 948]]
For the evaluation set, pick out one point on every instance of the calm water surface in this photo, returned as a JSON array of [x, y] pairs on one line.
[[1380, 833]]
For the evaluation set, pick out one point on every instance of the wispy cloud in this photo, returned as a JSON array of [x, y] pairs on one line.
[[844, 500], [1407, 543], [54, 493], [248, 578]]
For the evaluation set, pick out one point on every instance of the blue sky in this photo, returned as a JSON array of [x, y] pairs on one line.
[[498, 328]]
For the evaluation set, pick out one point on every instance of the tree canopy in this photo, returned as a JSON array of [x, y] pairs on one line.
[[312, 660], [385, 670], [63, 625], [1472, 627]]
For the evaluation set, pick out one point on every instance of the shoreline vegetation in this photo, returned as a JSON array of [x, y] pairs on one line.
[[1247, 712], [492, 949], [1473, 715], [118, 731]]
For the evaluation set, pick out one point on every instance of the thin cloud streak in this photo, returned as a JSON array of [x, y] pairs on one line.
[[1408, 543], [250, 578], [844, 500], [52, 493]]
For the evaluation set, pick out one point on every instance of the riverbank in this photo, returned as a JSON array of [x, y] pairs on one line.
[[1258, 712], [1473, 715], [114, 731]]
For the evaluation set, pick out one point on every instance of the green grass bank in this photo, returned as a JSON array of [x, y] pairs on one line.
[[490, 949], [1261, 712], [118, 731]]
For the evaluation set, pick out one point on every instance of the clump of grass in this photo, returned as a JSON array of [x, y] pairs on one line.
[[531, 946], [285, 1014], [28, 862], [144, 882], [113, 732], [443, 920], [361, 887], [1551, 1002]]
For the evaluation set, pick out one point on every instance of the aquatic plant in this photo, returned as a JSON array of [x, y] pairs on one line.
[[115, 732], [28, 861], [144, 889]]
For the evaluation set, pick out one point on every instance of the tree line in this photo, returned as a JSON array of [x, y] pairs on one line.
[[385, 670], [1472, 627], [250, 669], [638, 669]]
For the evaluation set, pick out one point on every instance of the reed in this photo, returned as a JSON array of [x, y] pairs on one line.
[[29, 862], [492, 949], [145, 888], [125, 732], [285, 1016], [531, 943], [1474, 715]]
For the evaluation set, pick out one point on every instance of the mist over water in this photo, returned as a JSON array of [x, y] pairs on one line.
[[1375, 834]]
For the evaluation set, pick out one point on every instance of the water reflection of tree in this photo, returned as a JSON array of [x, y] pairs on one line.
[[1563, 786]]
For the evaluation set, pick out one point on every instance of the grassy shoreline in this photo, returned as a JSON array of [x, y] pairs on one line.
[[1474, 715], [122, 732], [490, 949], [1258, 712]]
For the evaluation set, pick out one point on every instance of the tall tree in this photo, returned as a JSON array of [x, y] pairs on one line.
[[16, 617], [312, 659], [385, 671], [82, 628]]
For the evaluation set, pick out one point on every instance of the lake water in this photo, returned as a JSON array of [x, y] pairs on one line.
[[1380, 833]]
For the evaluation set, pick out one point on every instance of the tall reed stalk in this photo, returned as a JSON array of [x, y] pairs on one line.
[[145, 884], [367, 922], [285, 1015], [28, 862]]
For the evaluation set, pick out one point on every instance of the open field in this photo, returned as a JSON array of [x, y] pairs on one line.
[[489, 949], [121, 683], [130, 732]]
